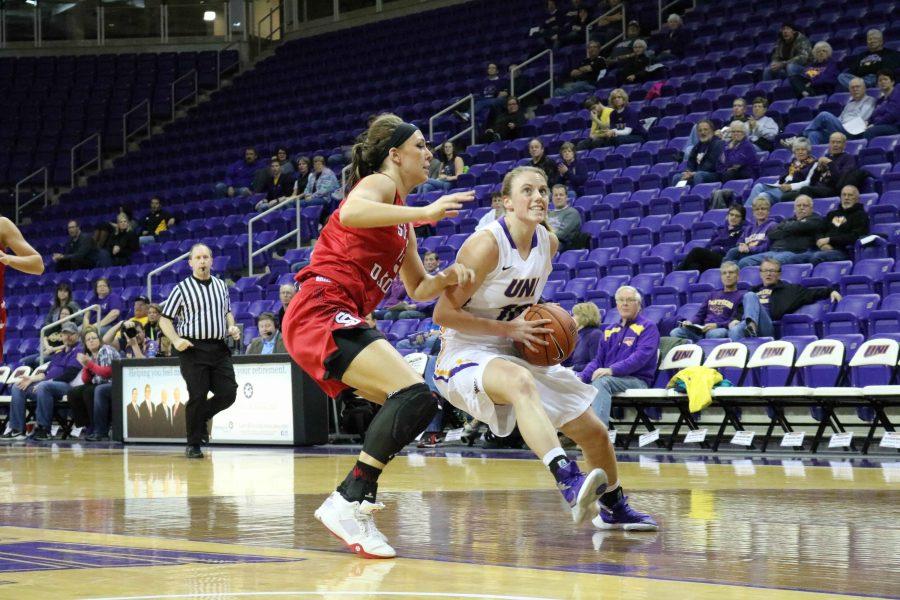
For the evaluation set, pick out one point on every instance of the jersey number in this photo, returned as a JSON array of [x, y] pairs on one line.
[[511, 311], [382, 280]]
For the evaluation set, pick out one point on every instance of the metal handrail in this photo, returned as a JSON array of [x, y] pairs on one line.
[[662, 8], [259, 37], [97, 159], [219, 70], [514, 68], [145, 125], [589, 26], [281, 205], [160, 269], [470, 99], [345, 172], [21, 205], [61, 321], [175, 103]]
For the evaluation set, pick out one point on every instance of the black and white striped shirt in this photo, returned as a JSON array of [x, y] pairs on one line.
[[199, 308]]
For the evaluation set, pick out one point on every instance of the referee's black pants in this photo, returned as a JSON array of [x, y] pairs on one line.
[[206, 368]]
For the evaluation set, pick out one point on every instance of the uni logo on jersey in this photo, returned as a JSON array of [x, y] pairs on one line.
[[346, 319], [521, 288]]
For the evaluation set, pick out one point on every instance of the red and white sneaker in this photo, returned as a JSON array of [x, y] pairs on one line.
[[353, 523]]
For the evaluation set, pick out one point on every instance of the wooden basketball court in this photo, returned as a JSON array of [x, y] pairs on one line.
[[144, 522]]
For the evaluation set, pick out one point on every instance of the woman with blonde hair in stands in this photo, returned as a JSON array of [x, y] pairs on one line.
[[587, 318]]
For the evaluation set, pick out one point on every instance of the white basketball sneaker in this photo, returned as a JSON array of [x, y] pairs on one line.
[[353, 523]]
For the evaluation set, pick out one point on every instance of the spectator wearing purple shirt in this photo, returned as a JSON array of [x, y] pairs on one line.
[[45, 388], [627, 355], [111, 306], [726, 238], [716, 315], [886, 118], [240, 175], [833, 171], [754, 239], [624, 125], [572, 174], [738, 159], [820, 76]]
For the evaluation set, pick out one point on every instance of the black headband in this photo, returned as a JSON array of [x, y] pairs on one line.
[[400, 135]]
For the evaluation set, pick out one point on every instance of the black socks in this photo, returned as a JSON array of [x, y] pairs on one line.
[[360, 484]]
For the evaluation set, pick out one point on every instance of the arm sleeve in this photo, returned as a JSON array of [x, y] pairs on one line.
[[105, 372], [174, 304], [767, 128], [647, 346], [68, 374], [802, 184], [701, 314], [868, 107], [847, 236]]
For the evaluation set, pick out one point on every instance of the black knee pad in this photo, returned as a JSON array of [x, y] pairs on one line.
[[405, 415]]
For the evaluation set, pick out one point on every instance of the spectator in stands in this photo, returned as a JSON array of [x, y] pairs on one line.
[[626, 356], [45, 387], [798, 175], [726, 238], [599, 124], [155, 222], [540, 160], [832, 172], [322, 182], [287, 167], [703, 158], [277, 186], [128, 338], [753, 240], [572, 174], [122, 245], [583, 78], [624, 125], [62, 298], [867, 64], [738, 159], [269, 340], [572, 33], [508, 124], [843, 227], [96, 368], [625, 48], [111, 306], [587, 319], [286, 293], [763, 128], [240, 175], [51, 341], [886, 116], [791, 54], [550, 28], [793, 240], [675, 39], [140, 307], [820, 77], [565, 220], [859, 106], [397, 305], [302, 175], [738, 113], [497, 211], [771, 301], [610, 25], [428, 342], [719, 310], [493, 92], [633, 68], [152, 330], [451, 167], [80, 251]]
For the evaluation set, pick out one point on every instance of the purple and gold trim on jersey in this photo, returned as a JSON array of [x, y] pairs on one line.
[[446, 374]]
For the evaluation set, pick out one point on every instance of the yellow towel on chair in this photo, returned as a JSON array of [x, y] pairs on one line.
[[699, 382]]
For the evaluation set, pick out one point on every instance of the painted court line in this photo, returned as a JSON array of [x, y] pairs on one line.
[[326, 594]]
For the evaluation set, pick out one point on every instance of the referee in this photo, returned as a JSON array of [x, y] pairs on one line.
[[201, 304]]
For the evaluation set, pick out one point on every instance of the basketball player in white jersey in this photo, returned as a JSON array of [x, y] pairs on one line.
[[478, 370]]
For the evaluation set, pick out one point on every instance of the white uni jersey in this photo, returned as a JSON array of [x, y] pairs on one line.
[[514, 285]]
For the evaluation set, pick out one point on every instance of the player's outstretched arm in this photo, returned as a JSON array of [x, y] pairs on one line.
[[480, 252], [371, 204], [422, 287], [26, 258]]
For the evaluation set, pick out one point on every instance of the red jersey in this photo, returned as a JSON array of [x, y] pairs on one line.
[[364, 261]]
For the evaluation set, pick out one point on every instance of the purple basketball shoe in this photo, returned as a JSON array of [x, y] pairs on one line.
[[582, 491], [622, 516]]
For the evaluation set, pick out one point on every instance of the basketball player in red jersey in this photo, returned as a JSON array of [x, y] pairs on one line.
[[25, 259], [366, 243]]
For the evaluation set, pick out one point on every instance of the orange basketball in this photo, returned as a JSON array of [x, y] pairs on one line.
[[562, 339]]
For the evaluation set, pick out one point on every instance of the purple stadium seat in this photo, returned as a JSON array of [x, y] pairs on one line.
[[850, 314], [807, 320], [626, 263], [866, 276], [645, 282], [678, 229], [614, 237], [674, 287], [661, 258], [887, 318], [796, 272], [605, 290]]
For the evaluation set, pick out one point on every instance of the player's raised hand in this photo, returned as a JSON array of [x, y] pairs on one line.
[[447, 206], [457, 274], [530, 333]]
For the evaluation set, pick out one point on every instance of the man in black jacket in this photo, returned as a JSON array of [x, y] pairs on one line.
[[771, 301], [843, 227], [703, 158], [831, 173], [508, 126], [792, 240], [80, 251]]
